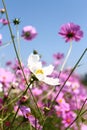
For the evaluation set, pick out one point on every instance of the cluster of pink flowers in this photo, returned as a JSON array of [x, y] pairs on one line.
[[66, 106]]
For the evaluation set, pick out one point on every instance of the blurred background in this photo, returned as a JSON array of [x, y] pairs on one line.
[[47, 17]]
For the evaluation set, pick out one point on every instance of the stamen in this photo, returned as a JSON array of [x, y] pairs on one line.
[[39, 71]]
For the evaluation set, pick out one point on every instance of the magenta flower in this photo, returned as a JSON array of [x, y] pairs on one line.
[[0, 39], [58, 56], [28, 33], [25, 111], [71, 31], [4, 21], [68, 118]]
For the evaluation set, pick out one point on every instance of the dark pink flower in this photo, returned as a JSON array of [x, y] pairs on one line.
[[7, 123], [70, 32], [68, 118], [28, 115], [4, 21], [0, 39], [28, 33], [8, 63], [58, 56], [25, 111]]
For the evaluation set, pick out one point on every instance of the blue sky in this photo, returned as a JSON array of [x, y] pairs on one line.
[[47, 16]]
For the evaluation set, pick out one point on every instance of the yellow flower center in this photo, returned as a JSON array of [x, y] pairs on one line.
[[75, 87], [60, 100], [68, 120], [39, 71], [28, 114]]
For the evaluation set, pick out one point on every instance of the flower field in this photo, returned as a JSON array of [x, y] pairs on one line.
[[38, 96]]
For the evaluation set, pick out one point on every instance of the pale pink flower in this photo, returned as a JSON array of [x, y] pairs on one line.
[[84, 127], [29, 33], [4, 21], [6, 76]]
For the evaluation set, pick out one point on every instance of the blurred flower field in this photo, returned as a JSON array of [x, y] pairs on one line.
[[38, 96]]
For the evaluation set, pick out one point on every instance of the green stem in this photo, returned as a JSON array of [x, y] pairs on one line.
[[68, 77], [18, 41], [12, 37], [66, 58], [77, 115], [15, 117], [19, 96], [19, 105]]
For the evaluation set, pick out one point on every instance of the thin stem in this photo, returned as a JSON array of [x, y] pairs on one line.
[[49, 93], [77, 115], [83, 113], [19, 96], [66, 58], [68, 77], [19, 104], [15, 116], [12, 37], [2, 121], [35, 123], [19, 125], [18, 41], [5, 44]]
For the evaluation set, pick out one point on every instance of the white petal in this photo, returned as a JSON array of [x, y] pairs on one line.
[[48, 70], [34, 63], [34, 58], [40, 77], [34, 66], [51, 81]]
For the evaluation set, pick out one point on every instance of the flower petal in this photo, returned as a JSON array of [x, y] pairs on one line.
[[51, 81], [48, 70]]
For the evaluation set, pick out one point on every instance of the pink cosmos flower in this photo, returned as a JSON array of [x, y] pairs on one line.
[[6, 76], [62, 103], [28, 33], [68, 118], [58, 56], [57, 59], [27, 114], [37, 91], [4, 21], [25, 111], [71, 31], [8, 63], [84, 127], [0, 39]]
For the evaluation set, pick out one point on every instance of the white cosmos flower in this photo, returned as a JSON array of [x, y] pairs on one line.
[[35, 66]]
